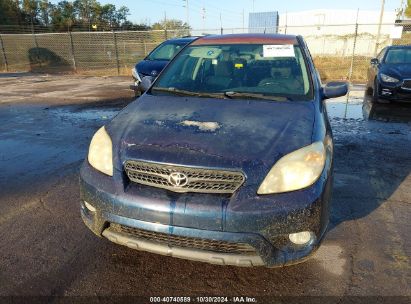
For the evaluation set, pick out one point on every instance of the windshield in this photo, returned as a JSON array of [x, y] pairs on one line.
[[250, 71], [398, 56], [165, 51]]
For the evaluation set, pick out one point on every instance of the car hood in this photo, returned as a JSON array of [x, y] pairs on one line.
[[400, 71], [147, 66], [219, 133]]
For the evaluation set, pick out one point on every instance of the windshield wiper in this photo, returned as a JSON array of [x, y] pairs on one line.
[[188, 93], [231, 94]]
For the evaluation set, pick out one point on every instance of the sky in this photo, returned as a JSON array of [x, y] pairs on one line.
[[150, 11]]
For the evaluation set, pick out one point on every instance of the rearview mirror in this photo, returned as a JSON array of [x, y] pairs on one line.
[[335, 89], [146, 83], [374, 61]]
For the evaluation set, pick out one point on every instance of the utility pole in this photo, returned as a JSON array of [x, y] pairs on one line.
[[286, 22], [243, 21], [187, 12], [165, 26], [203, 16], [352, 61], [221, 25], [400, 14], [379, 27]]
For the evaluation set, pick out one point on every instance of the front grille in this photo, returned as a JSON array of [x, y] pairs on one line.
[[194, 179], [187, 242], [406, 84]]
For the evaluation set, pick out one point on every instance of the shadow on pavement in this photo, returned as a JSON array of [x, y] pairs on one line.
[[16, 74], [393, 112], [372, 159]]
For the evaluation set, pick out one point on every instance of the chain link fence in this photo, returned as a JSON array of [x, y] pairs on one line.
[[340, 52]]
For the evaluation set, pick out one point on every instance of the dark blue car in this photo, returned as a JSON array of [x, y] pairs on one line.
[[227, 158], [389, 75], [156, 60]]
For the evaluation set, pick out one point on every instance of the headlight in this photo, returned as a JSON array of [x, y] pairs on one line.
[[296, 170], [100, 153], [387, 78], [135, 74]]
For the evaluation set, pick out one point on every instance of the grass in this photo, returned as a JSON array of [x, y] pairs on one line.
[[338, 68]]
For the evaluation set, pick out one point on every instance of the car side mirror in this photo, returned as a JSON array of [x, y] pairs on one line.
[[335, 89], [146, 83], [374, 61]]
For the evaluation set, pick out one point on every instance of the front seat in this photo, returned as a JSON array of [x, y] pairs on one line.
[[223, 76]]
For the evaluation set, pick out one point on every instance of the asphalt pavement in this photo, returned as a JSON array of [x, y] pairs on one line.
[[46, 250]]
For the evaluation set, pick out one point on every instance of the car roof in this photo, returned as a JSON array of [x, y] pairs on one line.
[[181, 40], [247, 39], [399, 47]]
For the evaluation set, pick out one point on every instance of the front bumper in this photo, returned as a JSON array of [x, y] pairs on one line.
[[266, 230], [394, 92], [136, 86]]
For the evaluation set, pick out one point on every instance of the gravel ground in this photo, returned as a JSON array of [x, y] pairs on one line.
[[47, 122]]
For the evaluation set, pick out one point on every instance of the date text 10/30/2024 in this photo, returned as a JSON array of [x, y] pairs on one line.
[[203, 300]]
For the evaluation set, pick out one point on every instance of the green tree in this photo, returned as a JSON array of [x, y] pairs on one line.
[[108, 16], [9, 12], [130, 26], [407, 11], [122, 14], [66, 15], [44, 8], [30, 12], [170, 24], [63, 16]]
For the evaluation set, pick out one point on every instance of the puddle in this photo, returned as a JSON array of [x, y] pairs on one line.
[[352, 110]]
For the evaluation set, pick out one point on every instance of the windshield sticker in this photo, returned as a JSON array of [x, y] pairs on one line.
[[205, 52], [286, 50]]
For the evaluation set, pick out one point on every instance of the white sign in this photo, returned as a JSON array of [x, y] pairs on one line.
[[286, 50], [396, 32]]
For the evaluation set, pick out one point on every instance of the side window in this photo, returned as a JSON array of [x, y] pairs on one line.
[[380, 56], [165, 52]]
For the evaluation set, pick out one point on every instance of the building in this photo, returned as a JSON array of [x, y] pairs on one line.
[[334, 32], [265, 22]]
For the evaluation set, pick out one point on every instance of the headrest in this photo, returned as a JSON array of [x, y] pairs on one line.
[[223, 68]]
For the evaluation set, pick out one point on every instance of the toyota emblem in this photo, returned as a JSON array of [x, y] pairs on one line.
[[178, 179]]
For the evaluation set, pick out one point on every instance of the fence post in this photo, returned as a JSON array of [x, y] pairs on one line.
[[116, 51], [37, 49], [73, 58], [6, 66], [165, 34], [352, 65], [353, 52]]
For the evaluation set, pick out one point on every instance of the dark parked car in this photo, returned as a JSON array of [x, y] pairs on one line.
[[156, 60], [227, 158], [389, 76]]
